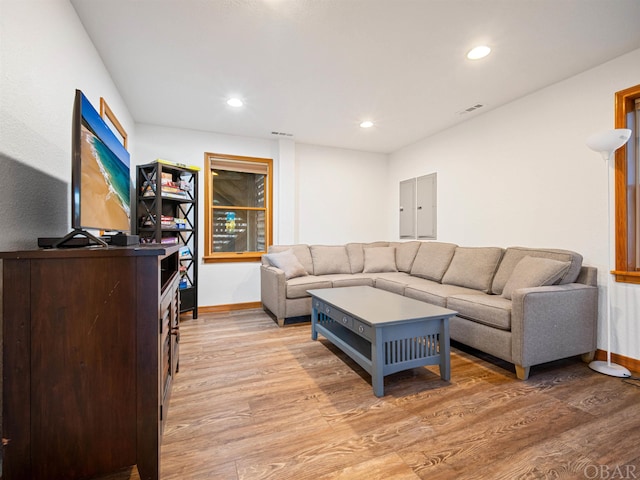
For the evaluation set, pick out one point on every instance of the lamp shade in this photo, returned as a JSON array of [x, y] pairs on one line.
[[608, 141]]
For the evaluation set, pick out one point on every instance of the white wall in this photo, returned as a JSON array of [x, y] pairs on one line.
[[342, 195], [522, 175], [45, 54]]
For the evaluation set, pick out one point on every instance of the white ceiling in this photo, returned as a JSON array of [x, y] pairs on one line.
[[316, 68]]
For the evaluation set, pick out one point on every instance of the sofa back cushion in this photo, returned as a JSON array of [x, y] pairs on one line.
[[355, 251], [301, 251], [330, 259], [432, 260], [380, 259], [405, 254], [514, 254], [473, 267]]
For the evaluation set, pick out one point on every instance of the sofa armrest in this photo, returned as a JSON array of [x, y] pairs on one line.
[[273, 290], [554, 322]]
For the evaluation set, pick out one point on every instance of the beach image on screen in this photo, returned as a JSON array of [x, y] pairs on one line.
[[104, 194]]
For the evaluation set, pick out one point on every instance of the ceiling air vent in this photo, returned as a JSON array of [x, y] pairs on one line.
[[282, 134], [470, 109]]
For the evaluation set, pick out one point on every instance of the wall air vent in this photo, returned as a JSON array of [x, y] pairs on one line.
[[470, 109], [282, 134]]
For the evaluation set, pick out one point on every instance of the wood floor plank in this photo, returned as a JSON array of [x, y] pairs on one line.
[[255, 401], [385, 467]]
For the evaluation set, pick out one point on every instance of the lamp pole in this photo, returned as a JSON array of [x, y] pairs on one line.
[[607, 143]]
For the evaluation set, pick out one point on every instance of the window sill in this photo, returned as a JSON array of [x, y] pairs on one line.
[[234, 257], [626, 277]]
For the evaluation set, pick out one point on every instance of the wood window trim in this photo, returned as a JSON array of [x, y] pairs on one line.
[[228, 257], [624, 103]]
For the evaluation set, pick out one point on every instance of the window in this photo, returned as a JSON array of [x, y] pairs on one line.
[[627, 163], [238, 195]]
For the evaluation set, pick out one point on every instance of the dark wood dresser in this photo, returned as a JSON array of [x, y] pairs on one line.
[[90, 348]]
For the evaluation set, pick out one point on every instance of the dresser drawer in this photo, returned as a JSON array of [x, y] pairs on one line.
[[323, 308], [343, 319], [335, 314], [362, 329], [318, 305]]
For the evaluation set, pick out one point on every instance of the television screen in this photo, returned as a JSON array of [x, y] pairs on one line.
[[101, 183]]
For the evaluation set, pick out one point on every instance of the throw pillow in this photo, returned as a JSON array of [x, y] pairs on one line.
[[534, 272], [380, 259], [288, 263]]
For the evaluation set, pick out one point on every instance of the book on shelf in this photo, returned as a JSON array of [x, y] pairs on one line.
[[166, 221], [178, 195], [168, 189], [169, 240]]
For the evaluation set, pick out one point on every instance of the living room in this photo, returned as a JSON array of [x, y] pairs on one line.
[[518, 174], [537, 184]]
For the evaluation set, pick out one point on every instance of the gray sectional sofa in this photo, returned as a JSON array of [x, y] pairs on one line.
[[526, 306]]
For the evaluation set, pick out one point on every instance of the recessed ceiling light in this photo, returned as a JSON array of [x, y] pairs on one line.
[[367, 124], [235, 102], [478, 52]]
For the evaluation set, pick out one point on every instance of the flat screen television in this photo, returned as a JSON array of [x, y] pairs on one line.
[[100, 176]]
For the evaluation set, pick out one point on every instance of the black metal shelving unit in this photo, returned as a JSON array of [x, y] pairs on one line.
[[171, 218]]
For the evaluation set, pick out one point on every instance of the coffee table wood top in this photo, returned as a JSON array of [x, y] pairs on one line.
[[377, 307]]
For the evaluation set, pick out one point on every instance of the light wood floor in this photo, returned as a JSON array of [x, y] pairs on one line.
[[254, 401]]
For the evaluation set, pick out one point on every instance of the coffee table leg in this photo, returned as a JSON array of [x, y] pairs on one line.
[[445, 350], [314, 321], [377, 367]]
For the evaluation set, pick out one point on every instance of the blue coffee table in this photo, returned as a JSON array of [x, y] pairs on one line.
[[381, 331]]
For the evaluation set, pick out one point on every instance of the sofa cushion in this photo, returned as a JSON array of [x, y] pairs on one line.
[[379, 259], [405, 254], [393, 281], [473, 267], [432, 260], [434, 292], [287, 262], [514, 254], [330, 259], [356, 257], [355, 251], [491, 310], [297, 287], [351, 279], [300, 250], [534, 272]]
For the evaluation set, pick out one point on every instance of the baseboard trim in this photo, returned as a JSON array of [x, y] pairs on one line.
[[630, 363], [230, 307]]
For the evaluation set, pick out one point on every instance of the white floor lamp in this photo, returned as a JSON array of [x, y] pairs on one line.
[[607, 143]]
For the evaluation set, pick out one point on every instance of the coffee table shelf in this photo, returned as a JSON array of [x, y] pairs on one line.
[[357, 347]]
